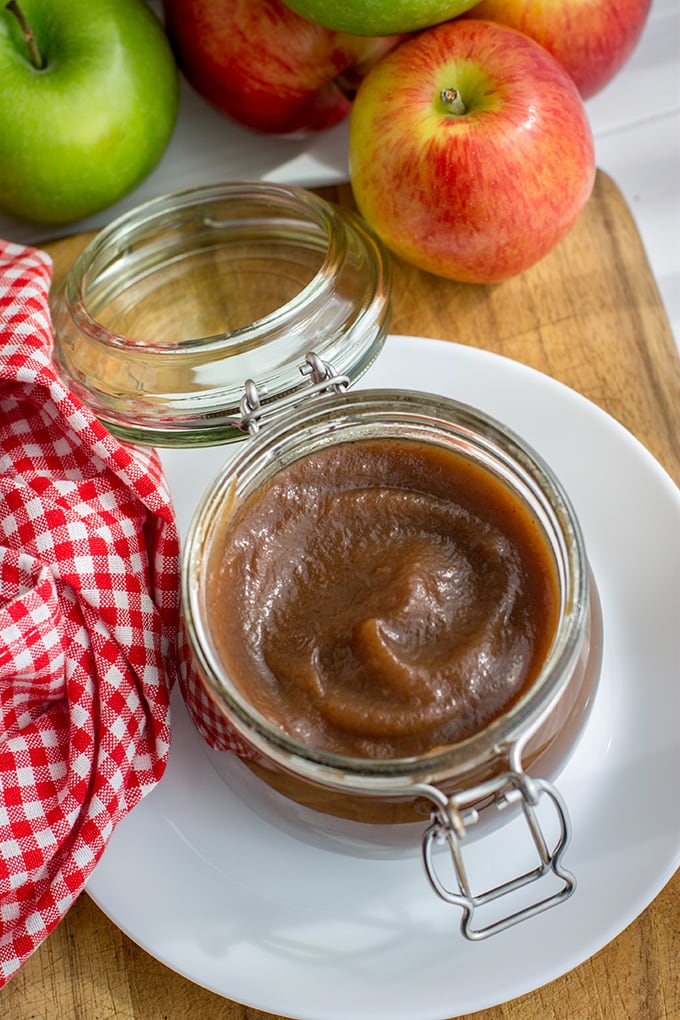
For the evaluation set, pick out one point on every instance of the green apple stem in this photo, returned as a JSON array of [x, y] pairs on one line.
[[33, 50], [452, 101]]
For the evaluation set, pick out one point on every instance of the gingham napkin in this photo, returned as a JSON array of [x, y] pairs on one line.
[[89, 608], [203, 709]]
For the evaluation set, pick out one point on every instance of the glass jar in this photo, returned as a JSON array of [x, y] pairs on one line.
[[462, 786], [171, 307], [249, 308]]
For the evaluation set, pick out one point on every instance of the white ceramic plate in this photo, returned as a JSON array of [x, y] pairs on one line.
[[224, 898]]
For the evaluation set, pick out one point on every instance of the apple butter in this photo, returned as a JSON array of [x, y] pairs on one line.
[[381, 598]]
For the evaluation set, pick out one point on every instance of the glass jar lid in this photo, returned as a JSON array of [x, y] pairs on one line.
[[170, 310]]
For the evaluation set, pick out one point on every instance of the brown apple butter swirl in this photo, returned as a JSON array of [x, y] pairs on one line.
[[382, 598]]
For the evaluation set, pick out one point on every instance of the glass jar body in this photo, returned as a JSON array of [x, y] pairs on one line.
[[354, 802]]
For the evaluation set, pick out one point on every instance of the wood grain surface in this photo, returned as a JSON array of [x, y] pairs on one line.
[[590, 315]]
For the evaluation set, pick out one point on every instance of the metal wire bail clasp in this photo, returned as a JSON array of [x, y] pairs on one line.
[[450, 819], [323, 379]]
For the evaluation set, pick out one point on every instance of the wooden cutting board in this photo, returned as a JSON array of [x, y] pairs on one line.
[[590, 315]]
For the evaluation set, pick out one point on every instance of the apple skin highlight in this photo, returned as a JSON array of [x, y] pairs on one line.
[[591, 39], [265, 66], [480, 196]]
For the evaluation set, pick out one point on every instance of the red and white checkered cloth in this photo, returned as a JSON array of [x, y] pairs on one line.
[[89, 610], [203, 708]]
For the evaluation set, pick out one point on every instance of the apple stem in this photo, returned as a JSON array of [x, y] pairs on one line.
[[344, 84], [452, 101], [33, 50]]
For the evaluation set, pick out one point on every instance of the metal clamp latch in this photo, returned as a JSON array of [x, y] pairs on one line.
[[450, 819], [323, 379]]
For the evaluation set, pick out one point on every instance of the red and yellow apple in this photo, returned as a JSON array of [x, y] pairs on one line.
[[470, 151], [592, 39], [266, 66]]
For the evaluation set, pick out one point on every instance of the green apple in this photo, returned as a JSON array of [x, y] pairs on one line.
[[379, 17], [88, 103]]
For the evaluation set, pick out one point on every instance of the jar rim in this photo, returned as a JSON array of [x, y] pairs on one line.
[[523, 717], [133, 224]]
